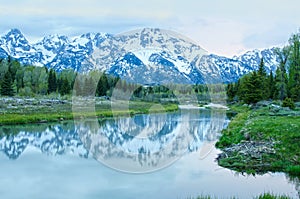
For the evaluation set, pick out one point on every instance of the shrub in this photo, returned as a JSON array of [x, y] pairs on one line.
[[288, 102]]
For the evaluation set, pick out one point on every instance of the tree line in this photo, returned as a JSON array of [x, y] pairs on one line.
[[283, 85], [19, 80], [16, 79]]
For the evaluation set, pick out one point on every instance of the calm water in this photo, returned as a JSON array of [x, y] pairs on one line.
[[147, 156]]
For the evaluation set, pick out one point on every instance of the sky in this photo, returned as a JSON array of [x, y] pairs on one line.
[[223, 27]]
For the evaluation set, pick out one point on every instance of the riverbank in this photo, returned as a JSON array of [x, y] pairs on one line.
[[34, 110], [260, 139]]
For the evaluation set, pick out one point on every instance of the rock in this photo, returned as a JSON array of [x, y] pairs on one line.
[[43, 121], [252, 149], [247, 136], [263, 103], [297, 104]]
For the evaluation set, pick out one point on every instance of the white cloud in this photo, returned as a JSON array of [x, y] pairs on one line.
[[223, 27]]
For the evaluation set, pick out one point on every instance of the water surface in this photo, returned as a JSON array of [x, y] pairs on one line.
[[71, 160]]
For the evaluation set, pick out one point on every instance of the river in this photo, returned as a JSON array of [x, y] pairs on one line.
[[167, 155]]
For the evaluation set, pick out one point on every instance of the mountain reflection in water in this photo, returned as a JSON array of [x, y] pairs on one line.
[[146, 139]]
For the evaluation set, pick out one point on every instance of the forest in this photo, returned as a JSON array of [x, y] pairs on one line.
[[284, 85], [32, 81]]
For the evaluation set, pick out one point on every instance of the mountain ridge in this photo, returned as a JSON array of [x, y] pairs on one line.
[[144, 56]]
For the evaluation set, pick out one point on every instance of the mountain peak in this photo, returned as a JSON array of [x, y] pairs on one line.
[[14, 39], [15, 35], [14, 31], [151, 54]]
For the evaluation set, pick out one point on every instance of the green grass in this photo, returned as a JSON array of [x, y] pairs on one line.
[[233, 133], [38, 114], [283, 130]]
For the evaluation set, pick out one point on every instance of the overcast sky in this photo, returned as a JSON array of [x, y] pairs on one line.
[[224, 27]]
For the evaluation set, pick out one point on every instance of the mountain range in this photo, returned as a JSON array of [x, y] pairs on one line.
[[147, 56]]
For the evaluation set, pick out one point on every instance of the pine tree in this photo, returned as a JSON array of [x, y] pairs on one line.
[[65, 87], [261, 70], [262, 75], [7, 85], [294, 68], [102, 86], [271, 85], [52, 82], [250, 88]]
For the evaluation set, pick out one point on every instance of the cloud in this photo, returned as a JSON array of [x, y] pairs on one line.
[[278, 34], [223, 27]]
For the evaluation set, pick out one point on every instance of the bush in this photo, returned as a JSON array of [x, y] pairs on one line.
[[293, 170], [288, 102]]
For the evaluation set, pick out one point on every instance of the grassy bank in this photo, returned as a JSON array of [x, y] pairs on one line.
[[274, 135], [42, 112]]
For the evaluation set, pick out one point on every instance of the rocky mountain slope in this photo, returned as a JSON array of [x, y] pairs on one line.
[[147, 56]]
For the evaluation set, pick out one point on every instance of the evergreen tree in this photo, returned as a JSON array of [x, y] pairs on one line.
[[65, 87], [7, 85], [271, 85], [250, 89], [52, 82], [262, 75], [294, 68], [241, 84], [261, 70], [102, 86]]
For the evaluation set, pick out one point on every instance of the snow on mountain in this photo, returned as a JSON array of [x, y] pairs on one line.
[[252, 59], [144, 56], [49, 46]]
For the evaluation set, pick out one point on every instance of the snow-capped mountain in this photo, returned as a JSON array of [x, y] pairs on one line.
[[145, 56]]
